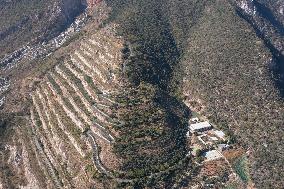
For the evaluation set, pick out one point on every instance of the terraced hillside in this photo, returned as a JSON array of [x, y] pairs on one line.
[[71, 116], [88, 113], [82, 129]]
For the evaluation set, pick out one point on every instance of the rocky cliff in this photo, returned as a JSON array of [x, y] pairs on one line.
[[32, 21], [268, 22]]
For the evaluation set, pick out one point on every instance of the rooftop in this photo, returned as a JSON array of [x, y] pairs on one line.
[[219, 134], [212, 155], [201, 125]]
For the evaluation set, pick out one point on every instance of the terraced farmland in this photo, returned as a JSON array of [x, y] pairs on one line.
[[71, 120]]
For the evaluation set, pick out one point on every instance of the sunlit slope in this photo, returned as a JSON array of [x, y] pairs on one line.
[[71, 118]]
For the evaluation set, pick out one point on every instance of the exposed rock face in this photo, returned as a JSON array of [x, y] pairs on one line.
[[268, 21], [247, 6], [62, 14], [47, 20]]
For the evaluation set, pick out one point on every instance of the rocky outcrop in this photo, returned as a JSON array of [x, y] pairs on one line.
[[268, 22], [264, 18], [48, 20], [33, 51], [61, 15]]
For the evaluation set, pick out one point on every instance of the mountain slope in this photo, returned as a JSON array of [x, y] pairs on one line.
[[228, 68], [33, 21], [109, 105]]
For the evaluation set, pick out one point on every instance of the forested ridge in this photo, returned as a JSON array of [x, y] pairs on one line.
[[152, 137], [225, 63]]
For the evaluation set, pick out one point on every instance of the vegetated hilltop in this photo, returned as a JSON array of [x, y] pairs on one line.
[[93, 118], [106, 110], [152, 139], [228, 68], [25, 21]]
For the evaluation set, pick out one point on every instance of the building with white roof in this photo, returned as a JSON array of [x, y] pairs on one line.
[[212, 155], [214, 138], [222, 147], [219, 134], [199, 127]]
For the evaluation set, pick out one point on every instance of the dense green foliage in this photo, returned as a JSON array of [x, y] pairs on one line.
[[240, 166], [18, 19], [225, 65], [152, 53], [16, 10], [152, 136]]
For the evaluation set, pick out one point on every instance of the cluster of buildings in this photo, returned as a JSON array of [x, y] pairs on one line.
[[207, 140]]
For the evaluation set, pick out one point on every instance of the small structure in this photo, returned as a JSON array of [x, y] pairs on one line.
[[222, 147], [204, 139], [214, 139], [207, 140], [219, 134], [199, 127], [212, 155], [194, 120], [187, 134]]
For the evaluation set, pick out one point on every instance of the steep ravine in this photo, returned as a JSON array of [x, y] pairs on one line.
[[35, 21], [267, 22], [228, 68]]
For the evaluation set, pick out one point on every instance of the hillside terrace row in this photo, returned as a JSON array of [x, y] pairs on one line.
[[73, 102], [39, 50], [4, 86]]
